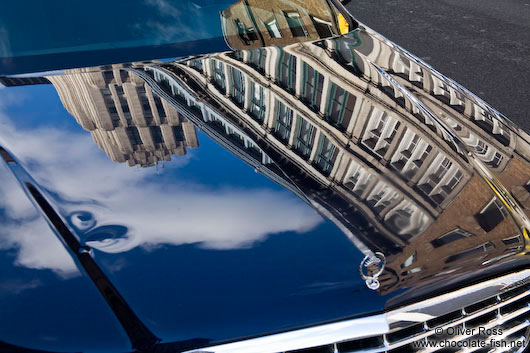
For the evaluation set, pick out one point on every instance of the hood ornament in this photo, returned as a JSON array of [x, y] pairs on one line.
[[371, 268]]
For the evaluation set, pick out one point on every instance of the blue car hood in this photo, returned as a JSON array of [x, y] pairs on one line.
[[235, 194]]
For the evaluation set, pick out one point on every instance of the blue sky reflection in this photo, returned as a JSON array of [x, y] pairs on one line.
[[156, 205]]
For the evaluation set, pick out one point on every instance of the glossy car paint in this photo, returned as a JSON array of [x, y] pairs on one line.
[[246, 233]]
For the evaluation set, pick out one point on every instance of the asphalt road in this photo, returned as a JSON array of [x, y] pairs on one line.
[[482, 44]]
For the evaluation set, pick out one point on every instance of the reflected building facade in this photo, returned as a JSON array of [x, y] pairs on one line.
[[22, 81], [123, 116], [252, 24], [351, 141]]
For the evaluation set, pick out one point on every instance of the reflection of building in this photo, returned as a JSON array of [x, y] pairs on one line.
[[450, 102], [22, 81], [360, 148], [125, 119], [215, 125], [251, 24], [340, 137], [459, 238]]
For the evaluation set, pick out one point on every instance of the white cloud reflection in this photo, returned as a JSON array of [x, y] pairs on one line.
[[18, 286], [5, 44], [171, 25], [155, 213]]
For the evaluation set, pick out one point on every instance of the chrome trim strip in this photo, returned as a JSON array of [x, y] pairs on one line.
[[306, 338], [449, 302]]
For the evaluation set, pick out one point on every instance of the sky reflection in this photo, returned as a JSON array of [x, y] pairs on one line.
[[155, 206]]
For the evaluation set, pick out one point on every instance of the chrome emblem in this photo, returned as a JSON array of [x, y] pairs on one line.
[[371, 268]]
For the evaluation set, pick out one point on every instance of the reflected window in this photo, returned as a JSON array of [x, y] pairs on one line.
[[358, 178], [165, 84], [313, 85], [345, 53], [257, 102], [296, 24], [305, 135], [113, 111], [124, 75], [179, 94], [471, 252], [287, 71], [235, 136], [197, 64], [409, 260], [380, 132], [159, 107], [412, 271], [238, 55], [216, 123], [326, 154], [238, 86], [407, 69], [283, 121], [156, 134], [453, 124], [513, 240], [246, 34], [218, 73], [513, 248], [109, 102], [410, 155], [178, 133], [450, 237], [444, 92], [406, 219], [272, 28], [254, 151], [324, 28], [108, 76], [257, 59], [111, 108], [125, 109], [133, 135], [344, 47], [381, 196], [441, 179], [481, 147], [487, 154], [340, 107], [146, 107], [491, 215], [195, 107], [486, 121], [114, 117]]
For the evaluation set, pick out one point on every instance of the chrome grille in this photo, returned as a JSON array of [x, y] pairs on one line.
[[509, 312], [501, 303]]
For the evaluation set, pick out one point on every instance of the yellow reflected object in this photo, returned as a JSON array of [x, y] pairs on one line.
[[343, 24], [527, 242]]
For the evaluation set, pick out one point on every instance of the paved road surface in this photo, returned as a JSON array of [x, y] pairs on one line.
[[482, 44]]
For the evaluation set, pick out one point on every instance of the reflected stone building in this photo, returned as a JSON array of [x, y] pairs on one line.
[[251, 24], [22, 81], [355, 146], [124, 118]]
